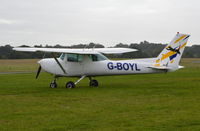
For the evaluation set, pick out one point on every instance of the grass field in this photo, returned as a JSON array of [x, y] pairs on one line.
[[18, 65], [138, 102]]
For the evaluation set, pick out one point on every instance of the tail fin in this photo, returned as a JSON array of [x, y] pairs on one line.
[[171, 54]]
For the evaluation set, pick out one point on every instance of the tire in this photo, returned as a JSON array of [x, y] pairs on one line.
[[94, 83], [53, 85], [70, 85]]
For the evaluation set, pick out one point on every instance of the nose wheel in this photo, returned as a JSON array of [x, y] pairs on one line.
[[53, 84]]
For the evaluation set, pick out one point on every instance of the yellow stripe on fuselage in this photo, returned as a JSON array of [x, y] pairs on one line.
[[157, 65], [158, 60], [180, 38]]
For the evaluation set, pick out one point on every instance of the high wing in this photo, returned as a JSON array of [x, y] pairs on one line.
[[77, 51], [114, 50]]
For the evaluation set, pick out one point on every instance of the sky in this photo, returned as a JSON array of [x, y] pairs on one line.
[[108, 22]]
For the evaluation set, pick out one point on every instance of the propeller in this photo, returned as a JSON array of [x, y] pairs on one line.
[[38, 72], [39, 68]]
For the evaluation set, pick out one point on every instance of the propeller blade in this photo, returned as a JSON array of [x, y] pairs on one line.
[[38, 72]]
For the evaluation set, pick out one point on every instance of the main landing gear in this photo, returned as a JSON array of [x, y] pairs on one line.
[[93, 83], [71, 84]]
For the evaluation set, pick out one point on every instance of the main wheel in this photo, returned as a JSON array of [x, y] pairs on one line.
[[70, 84], [53, 84], [94, 83]]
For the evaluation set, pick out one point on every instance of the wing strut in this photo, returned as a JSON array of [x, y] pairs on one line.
[[58, 63]]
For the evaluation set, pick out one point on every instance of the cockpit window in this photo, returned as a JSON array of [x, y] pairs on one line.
[[74, 57], [79, 58], [62, 56], [97, 57]]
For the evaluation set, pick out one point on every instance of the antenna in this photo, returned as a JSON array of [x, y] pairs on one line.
[[85, 47], [44, 56], [93, 46]]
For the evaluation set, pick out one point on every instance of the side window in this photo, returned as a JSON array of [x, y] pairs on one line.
[[74, 57], [97, 57], [80, 58], [94, 58]]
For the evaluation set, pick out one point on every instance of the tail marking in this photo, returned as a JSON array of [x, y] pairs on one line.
[[172, 53], [170, 56], [183, 36]]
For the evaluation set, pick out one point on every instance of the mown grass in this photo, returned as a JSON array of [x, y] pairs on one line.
[[136, 102], [18, 65]]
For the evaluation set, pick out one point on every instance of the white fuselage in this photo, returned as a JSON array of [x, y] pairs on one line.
[[88, 67]]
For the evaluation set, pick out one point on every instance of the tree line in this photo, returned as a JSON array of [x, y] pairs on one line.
[[145, 50]]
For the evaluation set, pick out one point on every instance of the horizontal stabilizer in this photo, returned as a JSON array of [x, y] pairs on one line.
[[160, 67], [164, 67], [181, 67]]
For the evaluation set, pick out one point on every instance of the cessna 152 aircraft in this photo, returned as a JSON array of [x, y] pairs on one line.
[[89, 63]]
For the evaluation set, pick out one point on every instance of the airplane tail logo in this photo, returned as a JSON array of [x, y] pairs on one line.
[[171, 54]]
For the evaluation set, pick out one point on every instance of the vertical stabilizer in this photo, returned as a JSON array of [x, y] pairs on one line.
[[171, 54]]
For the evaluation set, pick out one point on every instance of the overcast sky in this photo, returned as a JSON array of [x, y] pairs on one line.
[[108, 22]]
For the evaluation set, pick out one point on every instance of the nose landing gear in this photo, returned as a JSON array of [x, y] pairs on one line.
[[53, 84]]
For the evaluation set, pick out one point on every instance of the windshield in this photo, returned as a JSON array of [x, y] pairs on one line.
[[62, 56]]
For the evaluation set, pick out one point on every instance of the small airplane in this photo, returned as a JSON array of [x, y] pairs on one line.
[[89, 63]]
